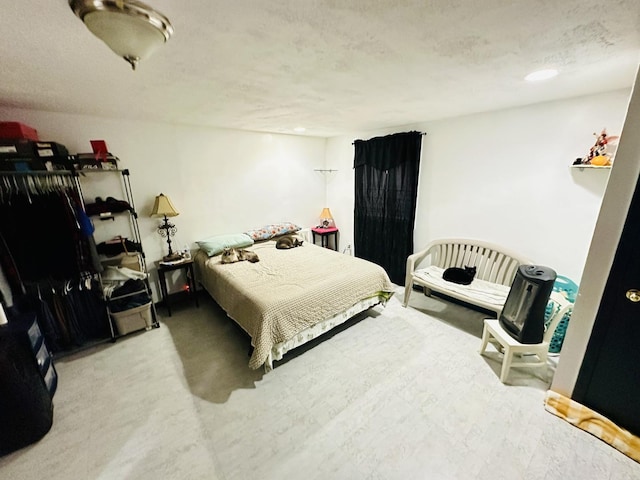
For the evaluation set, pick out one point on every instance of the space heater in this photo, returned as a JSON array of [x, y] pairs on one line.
[[523, 313]]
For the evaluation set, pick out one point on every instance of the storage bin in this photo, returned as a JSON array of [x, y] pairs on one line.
[[55, 153], [89, 161], [133, 319], [35, 155], [51, 150], [128, 260], [17, 148], [12, 130]]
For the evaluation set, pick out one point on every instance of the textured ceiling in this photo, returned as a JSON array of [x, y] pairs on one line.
[[330, 66]]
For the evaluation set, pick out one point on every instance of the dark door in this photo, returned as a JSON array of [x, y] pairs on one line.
[[609, 379]]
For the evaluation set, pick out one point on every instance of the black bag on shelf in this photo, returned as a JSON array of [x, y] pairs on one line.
[[110, 205], [118, 246]]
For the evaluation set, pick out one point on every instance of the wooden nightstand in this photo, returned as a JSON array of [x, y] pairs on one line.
[[325, 234], [187, 266]]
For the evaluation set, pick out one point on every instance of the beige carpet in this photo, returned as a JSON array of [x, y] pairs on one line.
[[400, 394]]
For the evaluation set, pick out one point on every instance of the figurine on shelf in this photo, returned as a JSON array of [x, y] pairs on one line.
[[599, 154]]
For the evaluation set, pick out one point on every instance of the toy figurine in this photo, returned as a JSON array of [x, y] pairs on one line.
[[598, 155]]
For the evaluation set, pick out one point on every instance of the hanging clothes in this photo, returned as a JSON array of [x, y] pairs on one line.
[[49, 256], [10, 271], [44, 235], [69, 314]]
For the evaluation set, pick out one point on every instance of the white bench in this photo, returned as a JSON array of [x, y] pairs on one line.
[[495, 269]]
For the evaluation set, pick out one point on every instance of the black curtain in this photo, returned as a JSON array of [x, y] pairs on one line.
[[386, 187]]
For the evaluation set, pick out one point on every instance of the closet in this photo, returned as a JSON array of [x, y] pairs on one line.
[[49, 258], [59, 290], [51, 292], [57, 285]]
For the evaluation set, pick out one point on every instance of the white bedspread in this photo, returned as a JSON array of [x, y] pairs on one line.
[[288, 291]]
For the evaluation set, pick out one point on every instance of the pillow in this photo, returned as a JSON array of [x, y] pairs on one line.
[[216, 244], [269, 231]]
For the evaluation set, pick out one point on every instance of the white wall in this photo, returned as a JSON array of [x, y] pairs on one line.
[[615, 205], [221, 181], [503, 177], [499, 176]]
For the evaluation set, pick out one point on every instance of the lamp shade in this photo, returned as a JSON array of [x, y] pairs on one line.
[[326, 214], [162, 207], [130, 28], [326, 219]]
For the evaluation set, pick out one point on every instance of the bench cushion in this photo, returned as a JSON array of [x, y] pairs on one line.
[[478, 291]]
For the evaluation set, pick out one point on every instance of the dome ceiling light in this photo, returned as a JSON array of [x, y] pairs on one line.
[[132, 29]]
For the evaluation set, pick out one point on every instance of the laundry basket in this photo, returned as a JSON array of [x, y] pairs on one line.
[[133, 319], [569, 288]]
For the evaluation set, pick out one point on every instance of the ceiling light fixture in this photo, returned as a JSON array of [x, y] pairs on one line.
[[540, 75], [132, 29]]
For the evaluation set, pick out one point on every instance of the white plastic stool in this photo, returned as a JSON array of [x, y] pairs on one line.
[[536, 354]]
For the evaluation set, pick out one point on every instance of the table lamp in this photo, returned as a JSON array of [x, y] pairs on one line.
[[163, 207], [326, 220]]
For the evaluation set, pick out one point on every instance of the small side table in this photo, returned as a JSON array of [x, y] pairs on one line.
[[187, 266], [325, 233]]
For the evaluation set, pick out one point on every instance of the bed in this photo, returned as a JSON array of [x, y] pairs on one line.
[[291, 296]]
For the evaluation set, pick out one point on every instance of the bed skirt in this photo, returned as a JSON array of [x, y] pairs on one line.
[[280, 349]]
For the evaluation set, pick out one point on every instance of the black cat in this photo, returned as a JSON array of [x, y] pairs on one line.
[[462, 276]]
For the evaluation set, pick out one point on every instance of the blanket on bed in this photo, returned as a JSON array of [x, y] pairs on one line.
[[289, 290]]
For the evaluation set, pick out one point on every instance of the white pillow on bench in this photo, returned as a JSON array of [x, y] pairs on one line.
[[480, 290]]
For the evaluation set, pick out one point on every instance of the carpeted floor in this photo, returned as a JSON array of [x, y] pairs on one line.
[[399, 394]]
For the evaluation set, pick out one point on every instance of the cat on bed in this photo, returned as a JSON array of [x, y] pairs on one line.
[[288, 242], [462, 276], [232, 255]]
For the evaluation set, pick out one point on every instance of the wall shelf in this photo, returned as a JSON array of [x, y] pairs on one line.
[[591, 167]]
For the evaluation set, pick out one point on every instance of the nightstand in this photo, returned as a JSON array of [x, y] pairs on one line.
[[187, 266], [325, 234]]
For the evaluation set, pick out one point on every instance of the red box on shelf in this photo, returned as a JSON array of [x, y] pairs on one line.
[[17, 130]]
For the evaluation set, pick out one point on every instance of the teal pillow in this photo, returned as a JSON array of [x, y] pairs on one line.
[[216, 244]]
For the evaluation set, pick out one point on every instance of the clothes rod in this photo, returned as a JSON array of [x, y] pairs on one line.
[[41, 173]]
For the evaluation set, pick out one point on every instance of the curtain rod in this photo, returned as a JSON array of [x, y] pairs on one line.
[[421, 133]]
